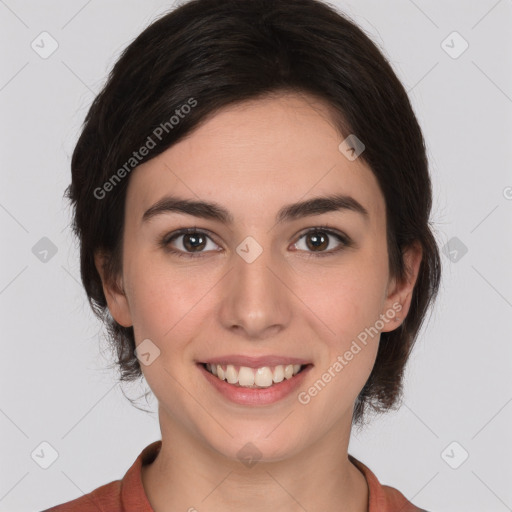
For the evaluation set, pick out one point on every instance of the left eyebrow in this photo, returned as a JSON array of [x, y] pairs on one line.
[[214, 211]]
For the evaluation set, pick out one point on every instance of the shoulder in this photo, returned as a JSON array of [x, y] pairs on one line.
[[397, 501], [122, 495], [106, 497], [383, 498]]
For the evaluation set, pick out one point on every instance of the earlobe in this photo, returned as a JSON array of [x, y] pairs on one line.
[[114, 294], [400, 294]]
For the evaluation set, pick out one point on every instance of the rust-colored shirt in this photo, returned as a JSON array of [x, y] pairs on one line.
[[128, 495]]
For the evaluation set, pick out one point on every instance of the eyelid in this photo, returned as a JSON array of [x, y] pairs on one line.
[[327, 229], [344, 239], [165, 241]]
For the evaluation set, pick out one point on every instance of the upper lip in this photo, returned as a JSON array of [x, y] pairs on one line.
[[256, 362]]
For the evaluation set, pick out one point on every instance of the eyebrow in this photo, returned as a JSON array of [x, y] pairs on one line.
[[214, 211]]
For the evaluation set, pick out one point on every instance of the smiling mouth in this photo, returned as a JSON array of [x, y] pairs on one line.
[[246, 377]]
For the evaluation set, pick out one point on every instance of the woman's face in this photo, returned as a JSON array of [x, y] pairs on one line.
[[263, 284]]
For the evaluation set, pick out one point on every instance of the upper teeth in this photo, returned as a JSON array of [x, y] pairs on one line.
[[253, 377]]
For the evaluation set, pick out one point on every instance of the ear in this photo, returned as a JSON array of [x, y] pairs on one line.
[[399, 293], [114, 293]]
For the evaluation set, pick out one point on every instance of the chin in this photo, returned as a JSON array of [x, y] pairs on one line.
[[257, 446]]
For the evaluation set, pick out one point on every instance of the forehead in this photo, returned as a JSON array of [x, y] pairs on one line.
[[255, 157]]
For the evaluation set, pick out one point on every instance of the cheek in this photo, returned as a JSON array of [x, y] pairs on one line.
[[165, 303], [349, 303], [347, 298]]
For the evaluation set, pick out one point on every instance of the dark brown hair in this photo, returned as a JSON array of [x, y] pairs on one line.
[[220, 52]]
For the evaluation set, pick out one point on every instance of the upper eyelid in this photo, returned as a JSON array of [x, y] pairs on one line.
[[167, 239]]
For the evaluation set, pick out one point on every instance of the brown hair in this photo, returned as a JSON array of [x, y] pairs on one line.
[[221, 52]]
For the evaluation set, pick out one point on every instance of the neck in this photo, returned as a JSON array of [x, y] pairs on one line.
[[188, 475]]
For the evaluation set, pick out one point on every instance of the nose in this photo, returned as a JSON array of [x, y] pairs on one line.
[[256, 299]]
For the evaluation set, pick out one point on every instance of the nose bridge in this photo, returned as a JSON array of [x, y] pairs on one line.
[[257, 297], [257, 271]]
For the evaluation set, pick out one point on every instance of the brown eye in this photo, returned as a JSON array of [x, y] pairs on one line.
[[188, 242], [194, 242], [191, 242], [318, 240]]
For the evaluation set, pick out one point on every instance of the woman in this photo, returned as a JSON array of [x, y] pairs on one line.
[[252, 198]]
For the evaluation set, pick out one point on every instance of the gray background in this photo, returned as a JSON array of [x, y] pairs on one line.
[[55, 383]]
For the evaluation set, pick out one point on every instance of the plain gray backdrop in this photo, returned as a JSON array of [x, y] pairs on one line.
[[449, 446]]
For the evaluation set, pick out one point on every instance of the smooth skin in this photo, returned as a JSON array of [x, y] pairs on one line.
[[253, 158]]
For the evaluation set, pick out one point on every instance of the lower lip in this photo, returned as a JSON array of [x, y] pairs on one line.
[[256, 396]]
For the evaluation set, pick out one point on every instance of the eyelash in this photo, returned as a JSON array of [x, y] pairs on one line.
[[165, 241]]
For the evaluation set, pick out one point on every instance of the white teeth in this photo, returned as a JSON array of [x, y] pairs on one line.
[[262, 377], [245, 376], [278, 375], [231, 375]]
